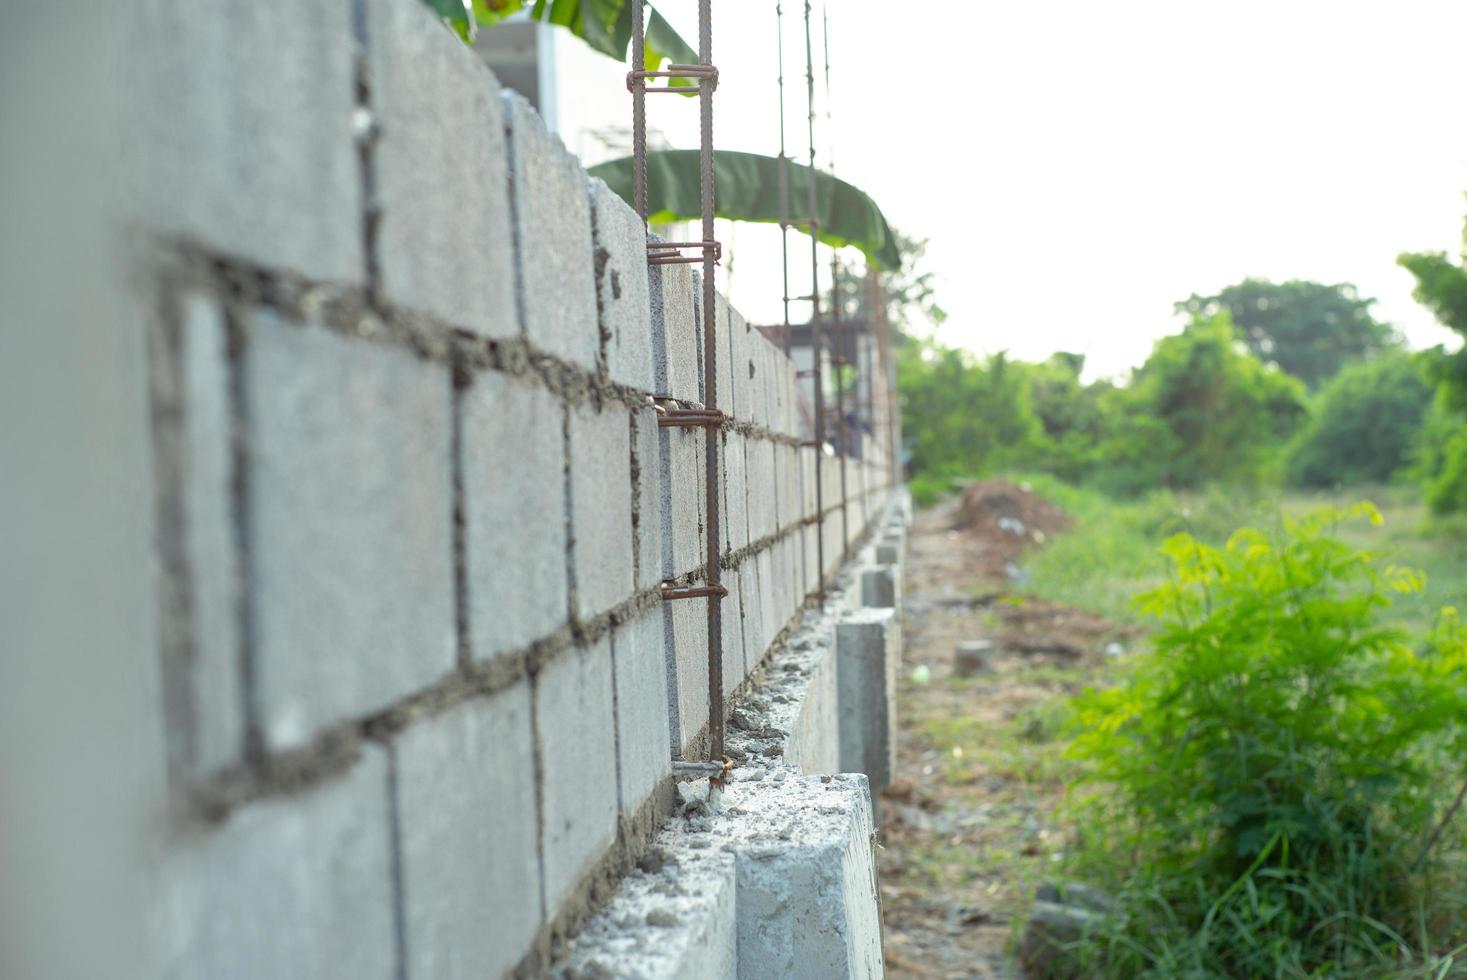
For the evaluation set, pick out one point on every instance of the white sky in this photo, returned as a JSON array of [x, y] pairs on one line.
[[1078, 166]]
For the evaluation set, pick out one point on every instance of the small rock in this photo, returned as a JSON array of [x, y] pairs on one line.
[[774, 749], [661, 918], [735, 753], [740, 719], [921, 674], [973, 657], [1075, 894], [1052, 931], [653, 861], [1114, 649], [1015, 574]]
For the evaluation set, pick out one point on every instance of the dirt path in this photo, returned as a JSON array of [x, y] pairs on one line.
[[970, 826]]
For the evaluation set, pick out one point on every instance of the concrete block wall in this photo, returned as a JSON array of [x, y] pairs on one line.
[[414, 507]]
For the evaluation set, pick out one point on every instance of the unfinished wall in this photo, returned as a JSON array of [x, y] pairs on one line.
[[419, 693]]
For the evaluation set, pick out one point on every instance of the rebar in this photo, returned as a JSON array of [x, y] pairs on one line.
[[709, 418], [816, 335]]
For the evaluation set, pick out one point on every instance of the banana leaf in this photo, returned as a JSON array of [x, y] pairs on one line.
[[746, 188], [605, 25]]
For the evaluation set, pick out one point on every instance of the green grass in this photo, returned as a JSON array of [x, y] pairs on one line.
[[1111, 552]]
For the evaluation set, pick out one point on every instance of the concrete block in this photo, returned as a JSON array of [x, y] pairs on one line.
[[685, 635], [467, 833], [551, 208], [807, 904], [648, 476], [809, 709], [740, 337], [736, 491], [762, 518], [349, 523], [296, 887], [888, 553], [683, 548], [601, 507], [644, 750], [216, 691], [879, 588], [513, 465], [444, 244], [751, 604], [726, 392], [808, 462], [576, 725], [699, 333], [768, 604], [623, 298], [674, 331], [674, 923], [868, 654], [265, 92], [735, 667], [810, 538]]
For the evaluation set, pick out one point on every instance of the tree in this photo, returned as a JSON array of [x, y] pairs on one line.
[[1308, 329], [1200, 409], [1366, 421], [1441, 286]]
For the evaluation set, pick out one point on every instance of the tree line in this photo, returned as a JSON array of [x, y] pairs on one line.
[[1268, 383]]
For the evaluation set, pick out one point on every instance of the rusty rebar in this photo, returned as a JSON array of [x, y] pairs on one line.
[[816, 336], [712, 434]]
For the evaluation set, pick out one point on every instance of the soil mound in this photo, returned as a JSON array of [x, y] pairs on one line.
[[1005, 518]]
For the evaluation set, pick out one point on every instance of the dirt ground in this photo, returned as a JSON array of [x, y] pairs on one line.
[[970, 827]]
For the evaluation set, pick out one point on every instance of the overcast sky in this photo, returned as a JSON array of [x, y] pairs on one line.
[[1078, 167]]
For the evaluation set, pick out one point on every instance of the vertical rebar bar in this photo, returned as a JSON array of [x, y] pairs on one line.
[[639, 113], [838, 332], [784, 182], [712, 434], [816, 336]]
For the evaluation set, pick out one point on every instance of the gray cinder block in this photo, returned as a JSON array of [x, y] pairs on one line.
[[264, 93], [879, 587], [736, 493], [762, 518], [685, 633], [349, 525], [601, 507], [513, 463], [741, 338], [726, 392], [578, 751], [807, 903], [868, 652], [216, 713], [675, 327], [444, 244], [466, 812], [623, 297], [294, 887], [649, 528], [735, 665], [552, 217], [643, 746], [682, 500], [751, 603]]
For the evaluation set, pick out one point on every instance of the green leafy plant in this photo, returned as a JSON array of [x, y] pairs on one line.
[[1271, 787], [605, 25]]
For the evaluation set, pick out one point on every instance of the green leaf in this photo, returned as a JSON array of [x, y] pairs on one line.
[[458, 14], [747, 189]]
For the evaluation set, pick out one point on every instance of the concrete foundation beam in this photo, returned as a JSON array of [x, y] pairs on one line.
[[868, 648]]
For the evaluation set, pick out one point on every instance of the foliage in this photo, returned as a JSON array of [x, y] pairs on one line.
[[605, 25], [1308, 329], [1199, 410], [1273, 770], [748, 190], [959, 408], [1441, 286], [1364, 423]]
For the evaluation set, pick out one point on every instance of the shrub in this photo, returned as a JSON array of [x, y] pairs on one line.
[[1275, 774], [1365, 423]]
